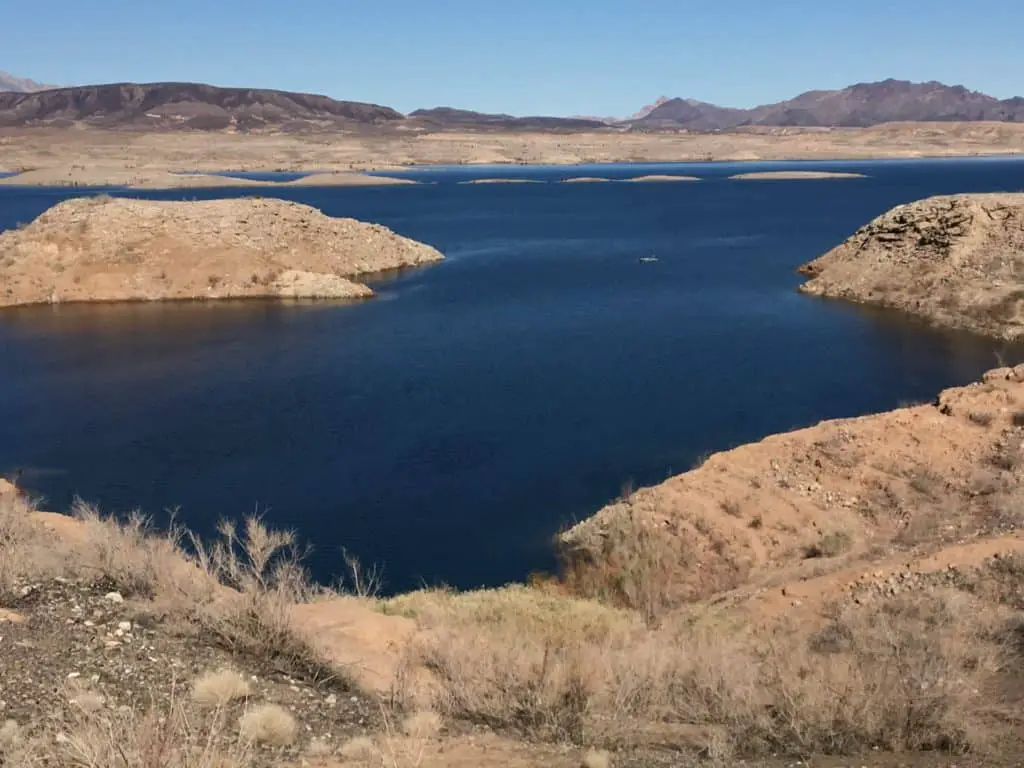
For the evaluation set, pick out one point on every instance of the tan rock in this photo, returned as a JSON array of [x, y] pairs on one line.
[[954, 260], [109, 249]]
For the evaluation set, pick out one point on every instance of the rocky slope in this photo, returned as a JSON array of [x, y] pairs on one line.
[[880, 490], [186, 105], [957, 261], [107, 249], [860, 105]]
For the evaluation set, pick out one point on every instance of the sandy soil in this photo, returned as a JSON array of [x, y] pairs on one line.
[[113, 151], [109, 249], [953, 260], [794, 175]]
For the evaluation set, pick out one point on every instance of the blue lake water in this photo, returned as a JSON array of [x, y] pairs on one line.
[[449, 427]]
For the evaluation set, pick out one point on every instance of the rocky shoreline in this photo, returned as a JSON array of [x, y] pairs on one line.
[[956, 261]]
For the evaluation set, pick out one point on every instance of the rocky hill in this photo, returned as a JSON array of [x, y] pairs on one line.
[[186, 105], [108, 249], [9, 82], [956, 261], [860, 105]]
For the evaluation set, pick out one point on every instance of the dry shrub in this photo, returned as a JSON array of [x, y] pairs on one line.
[[216, 689], [19, 539], [137, 560], [117, 738], [360, 749], [830, 545], [906, 675], [263, 569], [268, 724], [237, 590], [912, 675], [636, 568]]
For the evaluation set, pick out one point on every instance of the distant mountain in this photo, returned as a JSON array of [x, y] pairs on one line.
[[186, 105], [860, 105], [449, 117], [9, 82], [645, 111]]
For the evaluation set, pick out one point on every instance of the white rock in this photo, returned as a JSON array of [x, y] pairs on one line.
[[113, 597], [125, 626]]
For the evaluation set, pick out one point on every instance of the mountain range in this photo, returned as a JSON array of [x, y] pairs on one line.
[[163, 106], [861, 105], [9, 82]]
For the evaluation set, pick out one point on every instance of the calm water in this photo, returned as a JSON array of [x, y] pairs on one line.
[[450, 427]]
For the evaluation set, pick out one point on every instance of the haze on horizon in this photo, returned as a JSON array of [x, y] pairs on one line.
[[599, 57]]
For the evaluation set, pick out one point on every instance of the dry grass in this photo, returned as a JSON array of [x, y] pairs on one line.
[[914, 675], [120, 738], [268, 724], [216, 689]]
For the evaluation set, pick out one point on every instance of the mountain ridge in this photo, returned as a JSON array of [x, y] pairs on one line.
[[857, 106]]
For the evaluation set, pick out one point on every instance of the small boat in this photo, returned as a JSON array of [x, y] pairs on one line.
[[648, 259]]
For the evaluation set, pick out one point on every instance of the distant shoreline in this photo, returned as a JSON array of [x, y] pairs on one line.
[[99, 177]]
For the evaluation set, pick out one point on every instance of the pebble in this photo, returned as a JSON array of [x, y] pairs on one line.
[[331, 700], [113, 597], [125, 626]]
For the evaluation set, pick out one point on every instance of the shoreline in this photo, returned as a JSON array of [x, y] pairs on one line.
[[85, 177]]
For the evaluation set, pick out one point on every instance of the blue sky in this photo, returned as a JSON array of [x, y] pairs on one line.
[[598, 57]]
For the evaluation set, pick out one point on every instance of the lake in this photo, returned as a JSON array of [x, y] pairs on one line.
[[448, 428]]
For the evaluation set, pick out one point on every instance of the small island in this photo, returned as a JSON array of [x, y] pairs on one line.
[[109, 249], [502, 181], [953, 260], [583, 180], [661, 178], [794, 175]]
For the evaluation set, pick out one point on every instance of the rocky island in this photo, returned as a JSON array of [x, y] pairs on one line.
[[956, 261], [112, 249]]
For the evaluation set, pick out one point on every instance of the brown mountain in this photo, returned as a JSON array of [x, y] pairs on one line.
[[186, 105], [451, 118], [858, 105], [9, 82]]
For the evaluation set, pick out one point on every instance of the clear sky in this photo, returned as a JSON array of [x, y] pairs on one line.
[[560, 57]]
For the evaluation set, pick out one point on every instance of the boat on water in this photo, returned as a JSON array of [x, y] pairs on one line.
[[648, 259]]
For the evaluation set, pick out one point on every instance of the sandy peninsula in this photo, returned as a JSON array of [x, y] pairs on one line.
[[795, 175], [955, 261], [109, 249], [81, 176]]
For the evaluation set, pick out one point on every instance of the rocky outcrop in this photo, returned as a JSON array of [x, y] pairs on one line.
[[957, 261], [109, 249], [912, 480]]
